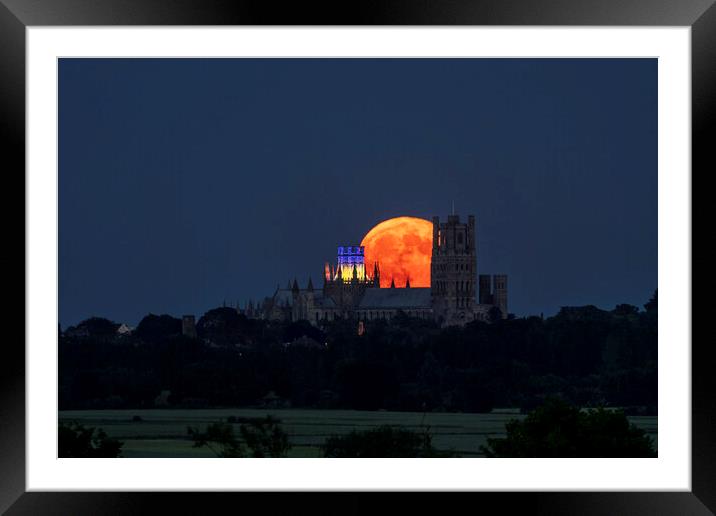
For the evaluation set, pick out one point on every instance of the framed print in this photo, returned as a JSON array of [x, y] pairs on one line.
[[181, 160]]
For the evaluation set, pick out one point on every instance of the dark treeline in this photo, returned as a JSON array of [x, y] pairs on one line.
[[584, 355]]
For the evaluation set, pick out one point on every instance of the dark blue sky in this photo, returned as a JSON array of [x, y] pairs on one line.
[[186, 182]]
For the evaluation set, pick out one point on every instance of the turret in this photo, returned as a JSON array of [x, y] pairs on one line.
[[188, 326], [499, 289], [453, 267]]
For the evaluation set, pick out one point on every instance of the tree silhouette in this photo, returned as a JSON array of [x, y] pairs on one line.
[[495, 314], [264, 437], [153, 328], [557, 429], [74, 440], [219, 438], [652, 305], [383, 441]]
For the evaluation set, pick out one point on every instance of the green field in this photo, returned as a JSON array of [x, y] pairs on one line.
[[162, 433]]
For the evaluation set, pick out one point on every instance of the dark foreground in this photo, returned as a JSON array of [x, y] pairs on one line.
[[163, 433]]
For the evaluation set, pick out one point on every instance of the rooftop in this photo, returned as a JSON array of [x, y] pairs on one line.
[[396, 298]]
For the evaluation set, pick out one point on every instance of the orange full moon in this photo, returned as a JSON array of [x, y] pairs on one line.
[[402, 246]]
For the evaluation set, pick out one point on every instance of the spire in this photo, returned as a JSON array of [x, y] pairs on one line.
[[288, 287], [407, 282], [310, 284], [392, 283], [295, 286]]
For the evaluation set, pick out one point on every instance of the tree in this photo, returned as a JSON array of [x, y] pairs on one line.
[[652, 305], [557, 429], [224, 326], [364, 384], [495, 314], [95, 327], [264, 437], [298, 329], [585, 355], [626, 310], [153, 328], [383, 441], [74, 440], [219, 438]]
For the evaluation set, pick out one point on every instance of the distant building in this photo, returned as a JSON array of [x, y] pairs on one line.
[[352, 291], [188, 326], [124, 329]]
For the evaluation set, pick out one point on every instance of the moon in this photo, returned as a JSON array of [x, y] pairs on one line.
[[402, 246]]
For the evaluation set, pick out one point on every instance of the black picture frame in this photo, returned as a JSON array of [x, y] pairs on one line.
[[17, 15]]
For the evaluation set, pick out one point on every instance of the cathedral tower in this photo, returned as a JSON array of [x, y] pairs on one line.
[[485, 293], [453, 268], [499, 293]]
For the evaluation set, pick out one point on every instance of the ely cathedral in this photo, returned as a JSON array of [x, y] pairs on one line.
[[351, 288]]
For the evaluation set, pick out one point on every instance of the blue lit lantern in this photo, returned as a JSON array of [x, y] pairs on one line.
[[348, 258]]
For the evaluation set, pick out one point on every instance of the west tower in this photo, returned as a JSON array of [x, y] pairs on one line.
[[493, 291], [499, 293], [453, 269]]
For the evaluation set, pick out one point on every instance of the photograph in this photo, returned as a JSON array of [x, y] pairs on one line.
[[357, 257], [395, 249]]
